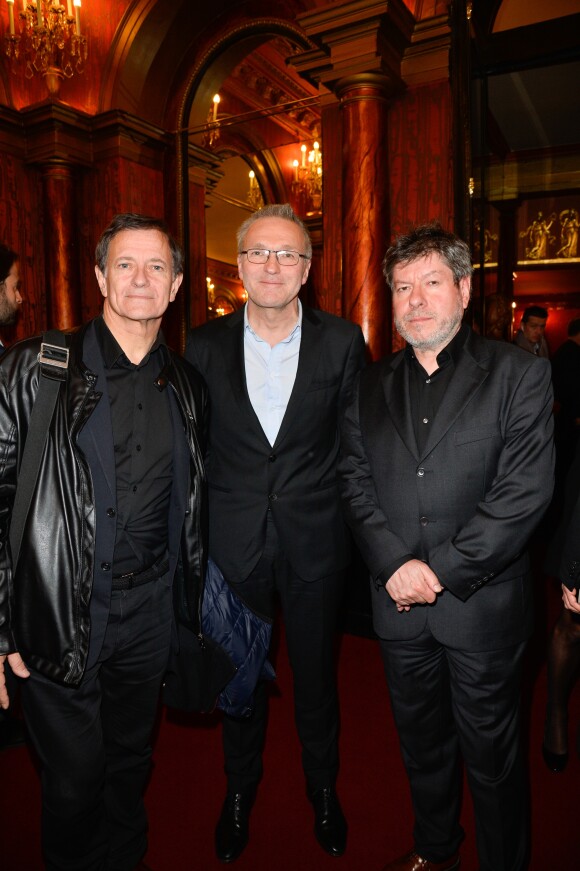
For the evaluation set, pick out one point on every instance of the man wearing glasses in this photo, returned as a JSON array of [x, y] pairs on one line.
[[278, 375]]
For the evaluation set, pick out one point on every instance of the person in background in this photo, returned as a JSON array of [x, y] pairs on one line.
[[115, 519], [530, 335], [446, 468], [10, 295], [278, 375], [11, 729]]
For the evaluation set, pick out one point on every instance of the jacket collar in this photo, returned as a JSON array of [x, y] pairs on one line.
[[472, 368]]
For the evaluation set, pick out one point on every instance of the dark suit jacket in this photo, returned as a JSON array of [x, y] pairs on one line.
[[467, 504], [296, 477]]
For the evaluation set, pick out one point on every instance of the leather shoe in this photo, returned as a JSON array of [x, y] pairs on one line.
[[329, 822], [232, 830], [555, 761], [413, 862]]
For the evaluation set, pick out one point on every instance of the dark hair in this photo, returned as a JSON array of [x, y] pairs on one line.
[[275, 210], [133, 221], [8, 258], [574, 327], [428, 239], [534, 311]]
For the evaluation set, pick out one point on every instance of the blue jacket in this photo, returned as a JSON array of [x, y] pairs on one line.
[[244, 636]]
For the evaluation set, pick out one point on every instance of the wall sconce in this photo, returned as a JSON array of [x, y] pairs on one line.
[[50, 39], [255, 198], [212, 133], [308, 175]]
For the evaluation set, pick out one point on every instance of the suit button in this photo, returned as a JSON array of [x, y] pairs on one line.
[[423, 521], [420, 473], [272, 458], [272, 497], [106, 567], [110, 512]]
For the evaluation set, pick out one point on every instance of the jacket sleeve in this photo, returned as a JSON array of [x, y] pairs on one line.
[[499, 529], [361, 507]]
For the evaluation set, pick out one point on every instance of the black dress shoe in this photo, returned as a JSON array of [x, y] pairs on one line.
[[329, 821], [555, 761], [232, 830]]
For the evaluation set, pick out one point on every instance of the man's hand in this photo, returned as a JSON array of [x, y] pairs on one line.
[[569, 599], [16, 663], [413, 584]]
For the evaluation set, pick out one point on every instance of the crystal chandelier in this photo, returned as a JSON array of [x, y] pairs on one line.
[[308, 175], [50, 40]]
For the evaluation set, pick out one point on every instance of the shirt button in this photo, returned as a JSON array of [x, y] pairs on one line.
[[138, 447], [111, 512], [272, 497], [423, 521], [420, 473], [106, 567], [425, 420]]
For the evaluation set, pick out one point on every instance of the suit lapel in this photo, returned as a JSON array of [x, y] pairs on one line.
[[462, 389], [98, 427], [233, 351], [397, 393], [310, 347], [469, 374]]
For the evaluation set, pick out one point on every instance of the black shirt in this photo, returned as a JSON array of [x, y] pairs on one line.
[[143, 444], [426, 394], [427, 391]]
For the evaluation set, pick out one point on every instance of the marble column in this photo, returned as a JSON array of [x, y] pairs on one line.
[[365, 212], [61, 246]]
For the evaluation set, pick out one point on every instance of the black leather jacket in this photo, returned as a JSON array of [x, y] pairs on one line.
[[44, 608]]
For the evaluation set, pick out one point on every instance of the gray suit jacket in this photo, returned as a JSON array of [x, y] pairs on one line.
[[467, 504]]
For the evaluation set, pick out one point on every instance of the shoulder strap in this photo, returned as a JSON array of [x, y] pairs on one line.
[[53, 361]]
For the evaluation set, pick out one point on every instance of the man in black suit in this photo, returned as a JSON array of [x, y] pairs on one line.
[[278, 375], [446, 468], [115, 518]]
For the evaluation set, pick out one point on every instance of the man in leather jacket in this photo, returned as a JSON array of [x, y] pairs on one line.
[[116, 520]]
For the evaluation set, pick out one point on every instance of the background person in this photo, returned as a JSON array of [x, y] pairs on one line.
[[530, 335]]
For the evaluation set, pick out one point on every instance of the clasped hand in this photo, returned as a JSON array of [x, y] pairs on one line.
[[414, 583]]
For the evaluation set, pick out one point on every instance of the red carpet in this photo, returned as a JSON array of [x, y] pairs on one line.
[[187, 784]]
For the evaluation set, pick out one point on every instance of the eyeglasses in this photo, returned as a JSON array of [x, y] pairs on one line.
[[284, 258]]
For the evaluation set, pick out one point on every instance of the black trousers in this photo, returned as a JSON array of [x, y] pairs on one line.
[[449, 704], [309, 611], [93, 741]]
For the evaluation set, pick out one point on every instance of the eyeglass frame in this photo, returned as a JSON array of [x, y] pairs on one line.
[[270, 251]]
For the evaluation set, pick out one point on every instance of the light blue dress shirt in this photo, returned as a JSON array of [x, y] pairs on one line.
[[270, 374]]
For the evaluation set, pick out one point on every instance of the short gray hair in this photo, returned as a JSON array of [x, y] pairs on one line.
[[275, 210]]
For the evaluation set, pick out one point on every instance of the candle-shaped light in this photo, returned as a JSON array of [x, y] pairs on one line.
[[295, 165], [69, 8], [317, 155], [303, 150], [77, 5], [216, 101], [11, 16], [253, 181], [39, 12]]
